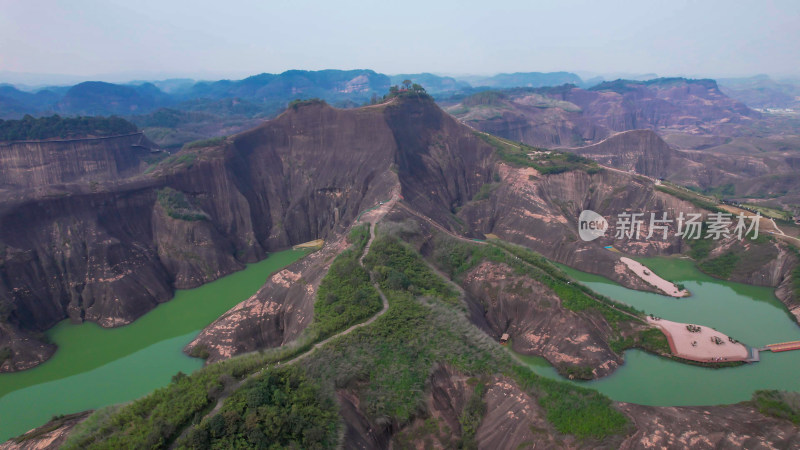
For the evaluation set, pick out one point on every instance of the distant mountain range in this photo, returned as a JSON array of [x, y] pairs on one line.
[[762, 91], [269, 93], [570, 116], [175, 111]]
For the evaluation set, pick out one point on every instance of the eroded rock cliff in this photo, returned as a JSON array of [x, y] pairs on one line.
[[110, 250]]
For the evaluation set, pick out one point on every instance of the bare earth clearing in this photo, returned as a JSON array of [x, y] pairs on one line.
[[647, 275], [704, 348]]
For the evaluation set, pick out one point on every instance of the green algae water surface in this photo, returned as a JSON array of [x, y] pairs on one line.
[[95, 367], [748, 313]]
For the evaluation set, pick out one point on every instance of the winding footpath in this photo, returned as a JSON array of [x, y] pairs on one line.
[[233, 388], [439, 227]]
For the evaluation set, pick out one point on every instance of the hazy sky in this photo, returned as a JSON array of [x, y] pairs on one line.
[[216, 38]]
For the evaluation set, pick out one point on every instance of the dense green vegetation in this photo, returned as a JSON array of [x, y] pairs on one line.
[[299, 103], [651, 339], [693, 198], [171, 118], [721, 266], [30, 128], [738, 258], [573, 410], [157, 419], [472, 416], [390, 361], [280, 408], [397, 267], [545, 161], [387, 364], [210, 142], [721, 191], [409, 90], [773, 212], [485, 98], [485, 191], [186, 159], [345, 296], [177, 205], [700, 248], [780, 404], [456, 257]]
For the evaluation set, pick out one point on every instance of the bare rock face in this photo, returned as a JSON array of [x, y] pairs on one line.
[[532, 315], [437, 163], [768, 264], [77, 257], [275, 315], [622, 123], [541, 213], [640, 151], [785, 294], [441, 164], [53, 434], [108, 252], [707, 427], [645, 152], [532, 116], [192, 250], [21, 350], [512, 419], [570, 116], [34, 164], [359, 432]]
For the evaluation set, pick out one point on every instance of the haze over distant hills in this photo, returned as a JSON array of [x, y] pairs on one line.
[[761, 91], [105, 229], [175, 111], [340, 87], [101, 225]]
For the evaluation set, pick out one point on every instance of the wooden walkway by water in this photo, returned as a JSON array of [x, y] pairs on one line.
[[775, 348], [784, 346]]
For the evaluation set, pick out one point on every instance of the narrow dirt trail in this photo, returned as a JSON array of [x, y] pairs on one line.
[[296, 358], [437, 226]]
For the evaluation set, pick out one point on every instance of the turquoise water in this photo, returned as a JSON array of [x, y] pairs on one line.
[[748, 313], [95, 367]]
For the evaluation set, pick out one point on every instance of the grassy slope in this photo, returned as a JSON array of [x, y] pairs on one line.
[[457, 257], [158, 418], [780, 404], [387, 364], [737, 259], [546, 162]]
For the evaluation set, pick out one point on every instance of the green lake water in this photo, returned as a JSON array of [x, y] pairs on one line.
[[95, 367], [748, 313]]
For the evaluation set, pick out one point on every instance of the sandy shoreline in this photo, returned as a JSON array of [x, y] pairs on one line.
[[681, 342], [651, 278]]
